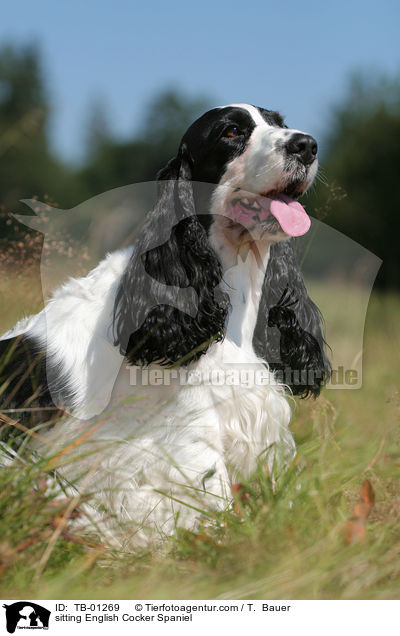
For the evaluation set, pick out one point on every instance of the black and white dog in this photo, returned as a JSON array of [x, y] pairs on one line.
[[209, 300]]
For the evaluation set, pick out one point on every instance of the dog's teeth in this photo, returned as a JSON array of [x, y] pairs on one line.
[[255, 205], [246, 201]]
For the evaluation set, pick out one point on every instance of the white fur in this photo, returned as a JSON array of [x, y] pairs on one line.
[[261, 166], [75, 327], [174, 443]]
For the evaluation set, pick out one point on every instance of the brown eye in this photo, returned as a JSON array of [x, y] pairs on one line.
[[232, 131]]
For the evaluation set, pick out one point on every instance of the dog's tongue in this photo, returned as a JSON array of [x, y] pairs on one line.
[[290, 214]]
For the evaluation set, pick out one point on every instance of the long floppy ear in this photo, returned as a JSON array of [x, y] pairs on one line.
[[288, 333], [168, 307]]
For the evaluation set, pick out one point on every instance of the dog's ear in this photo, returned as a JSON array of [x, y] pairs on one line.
[[180, 167], [168, 307], [289, 329]]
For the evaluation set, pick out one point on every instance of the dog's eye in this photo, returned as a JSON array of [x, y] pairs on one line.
[[232, 131]]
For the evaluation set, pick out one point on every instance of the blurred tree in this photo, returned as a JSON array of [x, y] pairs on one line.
[[27, 165], [168, 116], [97, 128], [360, 160], [113, 163], [361, 164]]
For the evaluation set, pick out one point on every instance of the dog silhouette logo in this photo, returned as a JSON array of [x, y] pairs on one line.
[[26, 615]]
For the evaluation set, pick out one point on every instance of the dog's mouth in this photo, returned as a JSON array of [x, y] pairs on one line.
[[273, 210]]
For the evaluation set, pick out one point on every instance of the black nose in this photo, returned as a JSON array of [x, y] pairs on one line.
[[304, 147]]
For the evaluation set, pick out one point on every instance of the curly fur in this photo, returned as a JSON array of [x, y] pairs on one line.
[[300, 348], [186, 259]]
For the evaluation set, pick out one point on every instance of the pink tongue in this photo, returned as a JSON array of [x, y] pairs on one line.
[[291, 216]]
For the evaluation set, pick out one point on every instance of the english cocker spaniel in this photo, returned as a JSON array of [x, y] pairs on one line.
[[173, 359]]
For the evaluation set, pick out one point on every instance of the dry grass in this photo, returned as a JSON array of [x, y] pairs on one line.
[[283, 545]]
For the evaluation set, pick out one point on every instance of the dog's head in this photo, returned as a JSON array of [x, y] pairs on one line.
[[261, 165]]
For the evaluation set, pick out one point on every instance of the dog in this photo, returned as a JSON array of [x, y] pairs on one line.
[[195, 304]]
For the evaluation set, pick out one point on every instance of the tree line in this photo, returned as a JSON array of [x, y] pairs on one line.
[[356, 192]]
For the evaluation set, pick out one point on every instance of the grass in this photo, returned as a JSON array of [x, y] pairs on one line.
[[285, 544]]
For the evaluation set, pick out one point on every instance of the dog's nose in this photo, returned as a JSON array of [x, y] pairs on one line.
[[304, 147]]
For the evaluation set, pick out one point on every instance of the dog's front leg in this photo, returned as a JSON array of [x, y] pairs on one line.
[[193, 440]]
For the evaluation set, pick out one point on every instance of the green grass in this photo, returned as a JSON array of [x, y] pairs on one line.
[[283, 545]]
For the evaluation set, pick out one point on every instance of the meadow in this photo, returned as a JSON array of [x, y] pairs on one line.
[[306, 539]]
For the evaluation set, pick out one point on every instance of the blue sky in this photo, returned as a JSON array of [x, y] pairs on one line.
[[290, 56]]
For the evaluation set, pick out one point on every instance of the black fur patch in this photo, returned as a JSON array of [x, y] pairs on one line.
[[186, 259], [288, 333], [25, 394]]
